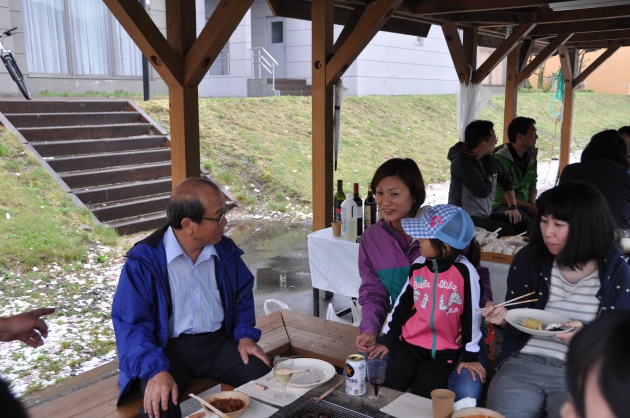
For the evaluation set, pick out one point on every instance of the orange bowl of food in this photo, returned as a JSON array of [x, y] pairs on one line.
[[231, 403], [476, 413]]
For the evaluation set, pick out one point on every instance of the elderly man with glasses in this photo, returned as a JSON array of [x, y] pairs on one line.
[[474, 178], [184, 306]]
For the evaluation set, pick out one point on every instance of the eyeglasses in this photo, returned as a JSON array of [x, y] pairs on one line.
[[219, 220]]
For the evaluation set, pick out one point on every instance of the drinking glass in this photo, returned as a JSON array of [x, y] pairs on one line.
[[283, 371], [376, 374]]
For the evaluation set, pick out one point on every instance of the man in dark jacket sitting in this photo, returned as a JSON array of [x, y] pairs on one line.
[[474, 177], [184, 306]]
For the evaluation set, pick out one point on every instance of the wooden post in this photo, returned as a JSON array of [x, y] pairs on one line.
[[511, 91], [567, 62], [183, 101], [322, 108]]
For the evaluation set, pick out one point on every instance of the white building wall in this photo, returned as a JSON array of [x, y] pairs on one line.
[[391, 64], [240, 43]]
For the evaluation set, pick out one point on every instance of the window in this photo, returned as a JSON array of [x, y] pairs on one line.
[[277, 32], [77, 37]]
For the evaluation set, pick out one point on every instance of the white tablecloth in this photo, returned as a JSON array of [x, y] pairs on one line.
[[334, 263], [334, 266]]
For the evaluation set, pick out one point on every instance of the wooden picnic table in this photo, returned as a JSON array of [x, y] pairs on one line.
[[284, 332]]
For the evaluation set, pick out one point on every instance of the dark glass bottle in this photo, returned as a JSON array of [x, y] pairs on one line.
[[339, 197], [359, 203], [369, 209]]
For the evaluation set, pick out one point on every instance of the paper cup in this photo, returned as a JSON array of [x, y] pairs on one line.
[[442, 400], [336, 228]]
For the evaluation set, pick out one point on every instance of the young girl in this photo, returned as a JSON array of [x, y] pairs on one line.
[[436, 307]]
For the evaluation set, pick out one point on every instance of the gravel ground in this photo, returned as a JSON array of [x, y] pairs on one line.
[[83, 313]]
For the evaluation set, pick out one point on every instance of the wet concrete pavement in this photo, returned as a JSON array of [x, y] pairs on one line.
[[279, 248]]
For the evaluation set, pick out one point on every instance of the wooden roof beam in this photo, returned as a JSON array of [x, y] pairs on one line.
[[594, 65], [371, 21], [146, 35], [436, 7], [545, 14], [213, 37], [500, 53], [602, 36], [547, 51], [491, 17], [544, 29]]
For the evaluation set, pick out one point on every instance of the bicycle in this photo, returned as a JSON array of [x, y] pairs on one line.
[[12, 67]]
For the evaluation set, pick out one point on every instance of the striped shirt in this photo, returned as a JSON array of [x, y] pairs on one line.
[[575, 301]]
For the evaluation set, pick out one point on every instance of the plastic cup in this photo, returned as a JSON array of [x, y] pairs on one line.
[[442, 400], [336, 228]]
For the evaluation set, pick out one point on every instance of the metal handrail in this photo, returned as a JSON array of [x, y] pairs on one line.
[[263, 61]]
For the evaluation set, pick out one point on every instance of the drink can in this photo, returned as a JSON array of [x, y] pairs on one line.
[[355, 374]]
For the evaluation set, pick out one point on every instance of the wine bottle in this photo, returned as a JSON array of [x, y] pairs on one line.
[[369, 209], [359, 209], [338, 199], [349, 219]]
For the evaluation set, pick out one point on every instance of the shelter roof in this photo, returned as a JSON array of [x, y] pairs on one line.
[[593, 23]]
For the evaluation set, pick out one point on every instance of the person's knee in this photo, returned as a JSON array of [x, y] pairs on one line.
[[464, 386]]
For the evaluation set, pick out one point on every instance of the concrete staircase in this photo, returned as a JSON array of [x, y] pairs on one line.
[[109, 155], [292, 87]]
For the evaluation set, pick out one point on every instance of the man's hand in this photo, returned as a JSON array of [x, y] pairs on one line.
[[159, 388], [27, 327], [514, 216], [365, 342], [532, 209], [247, 346]]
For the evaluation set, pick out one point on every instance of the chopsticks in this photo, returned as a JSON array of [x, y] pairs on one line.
[[215, 410], [323, 395], [509, 302]]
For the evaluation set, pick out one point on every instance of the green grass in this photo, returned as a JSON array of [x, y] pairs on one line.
[[39, 223], [261, 147]]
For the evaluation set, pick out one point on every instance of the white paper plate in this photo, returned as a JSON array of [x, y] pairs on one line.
[[515, 317], [320, 372]]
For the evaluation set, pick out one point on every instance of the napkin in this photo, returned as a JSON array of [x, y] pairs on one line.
[[273, 388], [409, 405], [464, 403], [254, 410]]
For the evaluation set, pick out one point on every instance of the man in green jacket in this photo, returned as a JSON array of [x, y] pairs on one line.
[[519, 158]]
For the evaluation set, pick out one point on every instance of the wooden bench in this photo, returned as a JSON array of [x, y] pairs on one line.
[[283, 332]]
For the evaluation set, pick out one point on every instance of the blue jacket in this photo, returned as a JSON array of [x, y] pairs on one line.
[[527, 275], [142, 306]]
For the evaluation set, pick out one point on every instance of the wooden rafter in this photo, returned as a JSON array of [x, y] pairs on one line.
[[372, 20], [547, 15], [135, 20], [215, 34], [586, 26], [497, 56], [542, 56], [460, 6], [602, 36], [594, 65]]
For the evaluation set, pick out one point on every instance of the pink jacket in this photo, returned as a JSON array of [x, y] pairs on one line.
[[438, 300]]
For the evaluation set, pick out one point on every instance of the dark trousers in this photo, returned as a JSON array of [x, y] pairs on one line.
[[211, 355], [412, 367]]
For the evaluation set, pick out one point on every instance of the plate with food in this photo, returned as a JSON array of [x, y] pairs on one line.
[[476, 412], [537, 322], [310, 372]]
